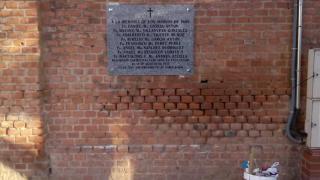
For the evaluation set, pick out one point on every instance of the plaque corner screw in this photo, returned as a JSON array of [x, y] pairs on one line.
[[188, 9], [188, 70], [110, 9]]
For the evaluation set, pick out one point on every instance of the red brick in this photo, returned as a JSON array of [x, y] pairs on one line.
[[133, 92], [34, 124], [228, 119], [260, 98], [222, 112], [218, 92], [182, 106], [212, 126], [162, 112], [170, 106], [243, 105], [186, 99], [197, 113], [206, 105], [162, 98], [150, 99], [146, 106], [224, 126], [253, 133], [242, 133], [181, 92], [273, 98], [255, 105], [235, 98], [248, 98], [180, 119], [211, 99], [217, 133], [194, 134], [210, 112], [174, 99], [241, 119], [230, 105], [110, 106], [13, 131], [253, 119], [126, 99], [168, 119], [206, 92], [266, 133], [194, 106], [204, 119], [198, 99], [169, 92], [272, 126], [265, 119], [3, 131], [261, 127], [183, 133], [122, 92], [247, 126], [122, 106], [236, 126], [145, 92], [7, 124], [138, 99], [158, 106], [216, 119], [218, 105], [157, 92]]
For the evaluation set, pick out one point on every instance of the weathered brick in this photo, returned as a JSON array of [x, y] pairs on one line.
[[162, 98], [150, 99], [145, 92], [235, 126], [206, 92], [217, 133], [194, 106], [157, 92], [242, 133], [169, 92], [198, 99], [236, 98], [138, 99], [253, 133], [174, 99], [158, 106], [186, 99], [182, 106]]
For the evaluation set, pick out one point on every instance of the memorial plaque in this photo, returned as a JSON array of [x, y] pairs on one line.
[[150, 39]]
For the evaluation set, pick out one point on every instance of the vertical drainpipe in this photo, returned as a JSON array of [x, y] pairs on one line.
[[295, 73], [299, 53]]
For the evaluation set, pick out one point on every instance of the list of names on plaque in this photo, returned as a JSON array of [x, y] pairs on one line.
[[150, 40]]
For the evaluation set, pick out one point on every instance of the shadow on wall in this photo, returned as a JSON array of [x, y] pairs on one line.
[[83, 133], [22, 154]]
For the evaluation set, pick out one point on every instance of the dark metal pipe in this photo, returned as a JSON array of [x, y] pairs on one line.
[[290, 132]]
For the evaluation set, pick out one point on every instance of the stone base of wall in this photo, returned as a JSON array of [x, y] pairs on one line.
[[311, 164]]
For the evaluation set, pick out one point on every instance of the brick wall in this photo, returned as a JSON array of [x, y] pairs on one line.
[[310, 164], [21, 125], [151, 127], [169, 127]]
